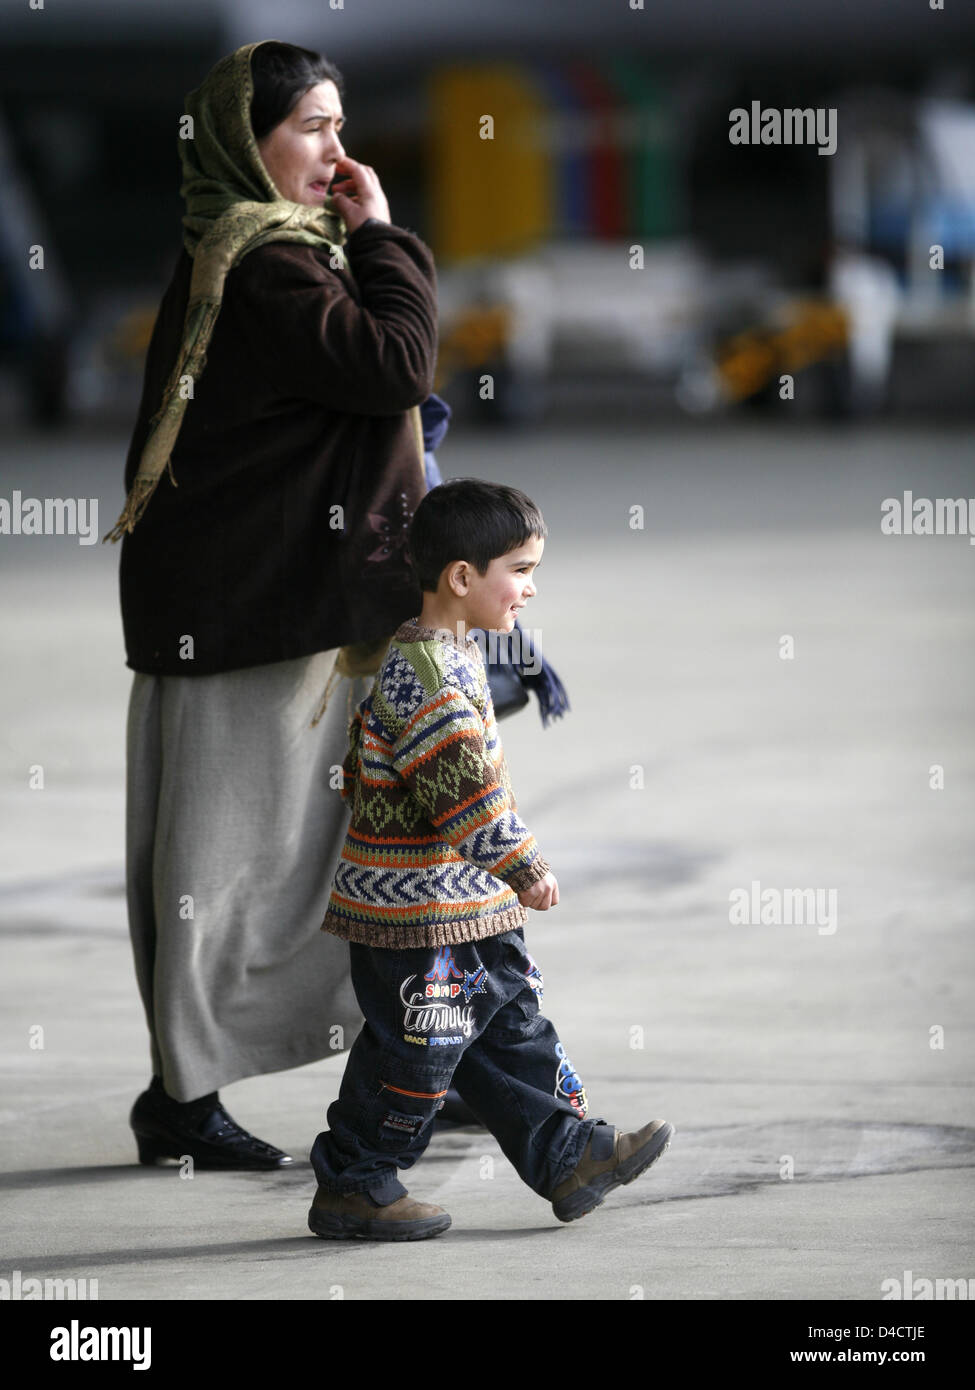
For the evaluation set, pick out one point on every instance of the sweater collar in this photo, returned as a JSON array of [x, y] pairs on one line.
[[414, 631]]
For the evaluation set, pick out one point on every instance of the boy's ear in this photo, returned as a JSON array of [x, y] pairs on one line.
[[457, 572]]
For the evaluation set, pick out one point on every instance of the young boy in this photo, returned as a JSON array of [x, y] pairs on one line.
[[431, 890]]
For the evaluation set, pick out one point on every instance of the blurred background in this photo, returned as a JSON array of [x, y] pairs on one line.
[[611, 129], [748, 346]]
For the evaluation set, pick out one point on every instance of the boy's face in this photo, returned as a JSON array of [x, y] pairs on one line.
[[494, 598]]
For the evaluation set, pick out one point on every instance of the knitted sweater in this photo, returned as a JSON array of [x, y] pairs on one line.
[[435, 852]]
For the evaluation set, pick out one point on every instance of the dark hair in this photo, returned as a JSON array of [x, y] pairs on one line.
[[469, 519], [282, 74]]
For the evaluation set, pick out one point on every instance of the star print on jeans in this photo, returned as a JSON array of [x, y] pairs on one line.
[[474, 984]]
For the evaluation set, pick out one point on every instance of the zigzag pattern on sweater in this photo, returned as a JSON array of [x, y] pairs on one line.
[[448, 891]]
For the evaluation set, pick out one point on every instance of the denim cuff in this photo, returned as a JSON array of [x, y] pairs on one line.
[[383, 1188], [387, 1190], [573, 1152]]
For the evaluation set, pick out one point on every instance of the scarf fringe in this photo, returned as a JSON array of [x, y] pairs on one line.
[[553, 701], [329, 687], [135, 504], [552, 698], [357, 659]]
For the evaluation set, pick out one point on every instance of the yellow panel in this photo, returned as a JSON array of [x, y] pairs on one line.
[[490, 196]]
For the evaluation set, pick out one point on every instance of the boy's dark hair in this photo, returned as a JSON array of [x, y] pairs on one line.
[[281, 74], [469, 519]]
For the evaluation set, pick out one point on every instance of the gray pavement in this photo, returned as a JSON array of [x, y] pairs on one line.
[[823, 1144]]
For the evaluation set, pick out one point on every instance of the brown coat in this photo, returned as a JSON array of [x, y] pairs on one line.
[[301, 409]]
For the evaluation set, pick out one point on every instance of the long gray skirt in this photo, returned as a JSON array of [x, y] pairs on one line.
[[233, 832]]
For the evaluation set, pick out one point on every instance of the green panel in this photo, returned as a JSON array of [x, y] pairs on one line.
[[654, 177]]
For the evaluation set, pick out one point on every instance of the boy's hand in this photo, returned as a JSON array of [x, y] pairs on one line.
[[541, 895]]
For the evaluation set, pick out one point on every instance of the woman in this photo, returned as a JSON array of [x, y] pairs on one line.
[[292, 347]]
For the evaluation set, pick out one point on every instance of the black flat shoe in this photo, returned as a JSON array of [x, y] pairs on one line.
[[199, 1129]]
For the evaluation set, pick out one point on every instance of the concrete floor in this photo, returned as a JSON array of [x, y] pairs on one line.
[[774, 1049]]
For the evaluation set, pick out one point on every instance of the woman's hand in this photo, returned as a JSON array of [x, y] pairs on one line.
[[541, 895], [360, 194]]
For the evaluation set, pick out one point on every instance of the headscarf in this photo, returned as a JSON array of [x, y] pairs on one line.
[[232, 206]]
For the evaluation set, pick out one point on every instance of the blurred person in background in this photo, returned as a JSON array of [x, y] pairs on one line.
[[269, 497]]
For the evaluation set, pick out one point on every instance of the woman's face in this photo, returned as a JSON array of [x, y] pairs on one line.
[[301, 152]]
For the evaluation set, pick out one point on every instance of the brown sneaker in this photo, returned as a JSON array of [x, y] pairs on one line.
[[609, 1160], [343, 1215]]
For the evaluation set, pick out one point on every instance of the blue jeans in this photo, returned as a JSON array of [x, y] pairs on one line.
[[468, 1015]]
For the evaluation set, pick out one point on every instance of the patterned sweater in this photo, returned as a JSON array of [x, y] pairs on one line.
[[435, 852]]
